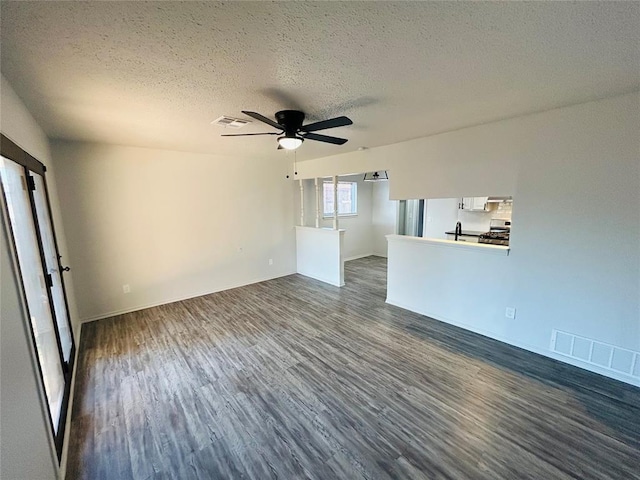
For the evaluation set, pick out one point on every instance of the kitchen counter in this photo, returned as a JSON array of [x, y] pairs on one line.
[[431, 243], [466, 233]]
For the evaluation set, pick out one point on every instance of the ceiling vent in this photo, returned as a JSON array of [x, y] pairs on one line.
[[230, 122]]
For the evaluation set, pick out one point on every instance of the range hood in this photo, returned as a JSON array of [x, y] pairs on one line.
[[499, 199]]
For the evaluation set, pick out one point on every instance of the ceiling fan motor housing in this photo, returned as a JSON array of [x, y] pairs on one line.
[[291, 121]]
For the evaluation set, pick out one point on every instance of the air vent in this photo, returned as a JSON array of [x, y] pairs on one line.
[[230, 122], [604, 355]]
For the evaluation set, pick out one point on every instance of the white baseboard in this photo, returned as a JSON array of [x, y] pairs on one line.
[[355, 257], [540, 351], [321, 279], [179, 299]]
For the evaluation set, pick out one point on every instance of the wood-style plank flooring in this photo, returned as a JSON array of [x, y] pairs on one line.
[[293, 379]]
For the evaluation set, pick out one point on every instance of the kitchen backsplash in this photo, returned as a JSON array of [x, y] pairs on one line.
[[503, 211], [479, 221]]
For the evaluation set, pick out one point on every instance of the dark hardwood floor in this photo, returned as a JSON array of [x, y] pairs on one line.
[[292, 378]]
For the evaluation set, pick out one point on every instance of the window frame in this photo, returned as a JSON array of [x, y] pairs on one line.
[[354, 201]]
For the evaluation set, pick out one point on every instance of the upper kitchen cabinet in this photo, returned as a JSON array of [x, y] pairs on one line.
[[476, 204]]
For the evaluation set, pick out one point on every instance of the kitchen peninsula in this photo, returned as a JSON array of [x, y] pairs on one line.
[[431, 276]]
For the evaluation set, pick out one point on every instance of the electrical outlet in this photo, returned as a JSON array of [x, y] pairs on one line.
[[271, 261], [126, 288], [510, 312]]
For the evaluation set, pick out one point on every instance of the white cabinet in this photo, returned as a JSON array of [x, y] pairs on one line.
[[474, 204]]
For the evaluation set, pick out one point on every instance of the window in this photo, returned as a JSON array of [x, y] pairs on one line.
[[347, 199]]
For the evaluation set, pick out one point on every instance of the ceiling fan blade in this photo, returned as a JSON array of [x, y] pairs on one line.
[[325, 138], [332, 123], [264, 119], [247, 134]]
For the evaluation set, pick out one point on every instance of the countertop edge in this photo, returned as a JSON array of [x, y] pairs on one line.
[[483, 248]]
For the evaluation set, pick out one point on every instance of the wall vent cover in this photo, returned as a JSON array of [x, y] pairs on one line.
[[604, 355], [230, 122]]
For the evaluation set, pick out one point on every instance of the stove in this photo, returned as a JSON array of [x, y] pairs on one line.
[[495, 238], [498, 234]]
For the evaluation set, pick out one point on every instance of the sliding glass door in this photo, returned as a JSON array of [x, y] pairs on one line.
[[27, 207], [52, 264]]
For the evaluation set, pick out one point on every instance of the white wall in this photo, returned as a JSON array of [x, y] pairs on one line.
[[359, 235], [309, 202], [171, 225], [26, 444], [319, 254], [574, 174], [478, 221], [441, 216], [20, 126], [383, 217], [470, 162], [447, 280], [576, 239]]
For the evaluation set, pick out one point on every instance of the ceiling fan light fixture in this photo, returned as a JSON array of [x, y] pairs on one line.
[[290, 142], [376, 177]]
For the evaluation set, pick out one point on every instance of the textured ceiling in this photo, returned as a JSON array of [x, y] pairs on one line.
[[156, 74]]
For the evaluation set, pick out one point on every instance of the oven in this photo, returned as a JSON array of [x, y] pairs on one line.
[[498, 234]]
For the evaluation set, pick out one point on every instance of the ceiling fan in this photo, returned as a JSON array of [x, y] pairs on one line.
[[293, 133]]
